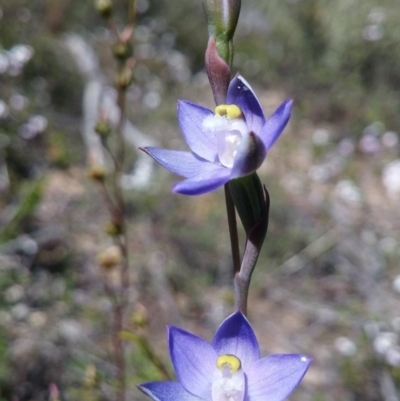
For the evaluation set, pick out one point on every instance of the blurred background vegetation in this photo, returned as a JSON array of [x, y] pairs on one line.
[[328, 280]]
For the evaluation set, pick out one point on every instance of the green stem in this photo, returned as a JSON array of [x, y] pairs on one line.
[[233, 231]]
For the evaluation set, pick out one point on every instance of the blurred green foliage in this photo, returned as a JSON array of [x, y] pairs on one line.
[[30, 199]]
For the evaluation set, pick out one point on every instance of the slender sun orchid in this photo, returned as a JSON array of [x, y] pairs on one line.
[[230, 143], [228, 369]]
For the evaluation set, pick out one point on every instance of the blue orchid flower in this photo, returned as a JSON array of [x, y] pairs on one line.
[[230, 143], [228, 369]]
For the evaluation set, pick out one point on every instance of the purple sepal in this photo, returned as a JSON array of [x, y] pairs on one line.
[[236, 336], [241, 94], [186, 164], [204, 182], [275, 125], [193, 360], [201, 142], [274, 377], [167, 391]]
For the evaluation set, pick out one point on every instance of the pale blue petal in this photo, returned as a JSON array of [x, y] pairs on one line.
[[208, 179], [276, 124], [179, 162], [167, 391], [202, 142], [194, 361], [250, 155], [241, 94], [235, 336], [273, 378]]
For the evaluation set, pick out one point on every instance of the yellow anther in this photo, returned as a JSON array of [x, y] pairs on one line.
[[230, 110], [228, 361]]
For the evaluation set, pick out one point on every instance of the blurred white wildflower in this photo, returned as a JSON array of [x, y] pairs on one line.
[[393, 356], [35, 125], [373, 33], [345, 346], [5, 318], [142, 33], [18, 101], [4, 111], [320, 136], [319, 173], [28, 245], [178, 66], [390, 139], [152, 100], [396, 284], [142, 6], [4, 63], [348, 191], [14, 293], [369, 237], [374, 30], [18, 56], [377, 15], [384, 341], [346, 147], [396, 323], [20, 311], [71, 330], [388, 245], [391, 177], [369, 143], [37, 319]]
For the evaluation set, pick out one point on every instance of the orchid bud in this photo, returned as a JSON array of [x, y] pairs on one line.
[[222, 17], [218, 72]]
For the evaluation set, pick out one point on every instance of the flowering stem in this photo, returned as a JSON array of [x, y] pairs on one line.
[[116, 205], [118, 316], [254, 243], [121, 100], [132, 12], [243, 277], [233, 231]]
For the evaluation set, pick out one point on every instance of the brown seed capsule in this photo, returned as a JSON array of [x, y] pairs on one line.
[[140, 317], [96, 172], [124, 78], [122, 50], [110, 257], [102, 128], [104, 7], [113, 228]]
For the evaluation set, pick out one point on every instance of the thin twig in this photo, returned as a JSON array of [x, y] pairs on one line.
[[311, 251]]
